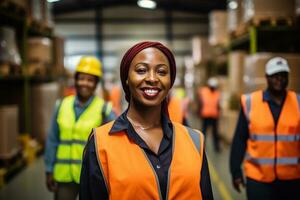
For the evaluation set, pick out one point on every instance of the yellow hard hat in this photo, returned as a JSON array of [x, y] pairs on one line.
[[90, 65]]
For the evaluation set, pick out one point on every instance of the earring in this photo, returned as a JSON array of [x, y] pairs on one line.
[[126, 82]]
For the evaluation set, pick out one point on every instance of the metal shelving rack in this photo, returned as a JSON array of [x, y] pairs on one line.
[[268, 39], [16, 88]]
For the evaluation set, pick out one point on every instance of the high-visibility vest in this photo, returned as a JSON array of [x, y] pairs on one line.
[[210, 102], [175, 109], [272, 151], [73, 136], [115, 95], [128, 173]]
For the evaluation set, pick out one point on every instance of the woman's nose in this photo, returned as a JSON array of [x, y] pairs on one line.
[[152, 76]]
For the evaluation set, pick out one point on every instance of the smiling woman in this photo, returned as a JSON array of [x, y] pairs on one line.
[[142, 154]]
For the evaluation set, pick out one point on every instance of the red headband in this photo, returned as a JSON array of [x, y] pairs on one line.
[[133, 51]]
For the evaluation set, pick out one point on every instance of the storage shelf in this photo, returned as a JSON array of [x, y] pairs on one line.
[[268, 39], [31, 79]]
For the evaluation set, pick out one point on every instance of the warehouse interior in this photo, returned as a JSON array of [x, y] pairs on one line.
[[42, 41]]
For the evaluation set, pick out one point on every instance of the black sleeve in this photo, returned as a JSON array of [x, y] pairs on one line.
[[238, 146], [205, 184], [92, 185]]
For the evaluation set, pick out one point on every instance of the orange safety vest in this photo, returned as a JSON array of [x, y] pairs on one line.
[[175, 109], [210, 102], [115, 97], [128, 173], [272, 151]]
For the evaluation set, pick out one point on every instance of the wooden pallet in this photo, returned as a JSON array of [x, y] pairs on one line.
[[10, 166], [261, 22], [271, 21], [239, 31]]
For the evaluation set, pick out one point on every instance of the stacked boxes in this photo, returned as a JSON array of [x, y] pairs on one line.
[[201, 50], [258, 9], [218, 28], [39, 55], [43, 98], [235, 13], [8, 131], [236, 71]]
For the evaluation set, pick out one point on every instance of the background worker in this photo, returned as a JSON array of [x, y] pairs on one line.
[[142, 154], [267, 137], [73, 120], [209, 109], [178, 106]]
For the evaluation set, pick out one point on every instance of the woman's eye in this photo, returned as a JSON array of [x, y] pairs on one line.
[[141, 70], [162, 72]]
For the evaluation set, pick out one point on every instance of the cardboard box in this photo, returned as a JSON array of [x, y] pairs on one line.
[[236, 71], [39, 50], [218, 34], [59, 54], [201, 50], [9, 128], [257, 9], [254, 71], [234, 14], [43, 98]]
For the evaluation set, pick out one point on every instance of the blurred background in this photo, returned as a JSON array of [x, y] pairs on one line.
[[42, 41]]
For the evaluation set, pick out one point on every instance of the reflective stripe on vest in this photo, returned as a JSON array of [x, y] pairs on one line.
[[73, 136], [210, 102], [272, 138], [272, 152], [123, 163]]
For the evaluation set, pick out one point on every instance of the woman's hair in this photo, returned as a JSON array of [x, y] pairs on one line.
[[133, 51]]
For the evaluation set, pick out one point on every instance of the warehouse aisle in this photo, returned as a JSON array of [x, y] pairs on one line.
[[29, 184], [218, 166]]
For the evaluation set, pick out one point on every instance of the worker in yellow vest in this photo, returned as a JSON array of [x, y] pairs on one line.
[[142, 155], [73, 120], [209, 109], [267, 138]]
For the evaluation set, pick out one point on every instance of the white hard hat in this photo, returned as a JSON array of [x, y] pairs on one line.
[[276, 65], [212, 82]]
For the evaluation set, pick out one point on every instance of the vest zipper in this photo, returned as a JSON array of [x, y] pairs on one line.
[[156, 177]]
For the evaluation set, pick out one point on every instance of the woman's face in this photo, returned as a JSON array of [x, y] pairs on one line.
[[149, 78]]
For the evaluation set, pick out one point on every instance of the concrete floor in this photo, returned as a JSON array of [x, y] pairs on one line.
[[29, 184]]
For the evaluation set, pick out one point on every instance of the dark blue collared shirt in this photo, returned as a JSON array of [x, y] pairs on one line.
[[241, 135], [92, 185]]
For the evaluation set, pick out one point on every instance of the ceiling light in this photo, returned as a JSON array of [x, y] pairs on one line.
[[52, 1], [146, 4], [232, 5]]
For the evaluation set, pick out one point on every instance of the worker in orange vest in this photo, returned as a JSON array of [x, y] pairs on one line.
[[177, 106], [209, 109], [175, 109], [267, 138], [115, 97]]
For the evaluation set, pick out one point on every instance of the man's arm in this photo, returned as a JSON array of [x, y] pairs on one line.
[[238, 149], [51, 148]]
